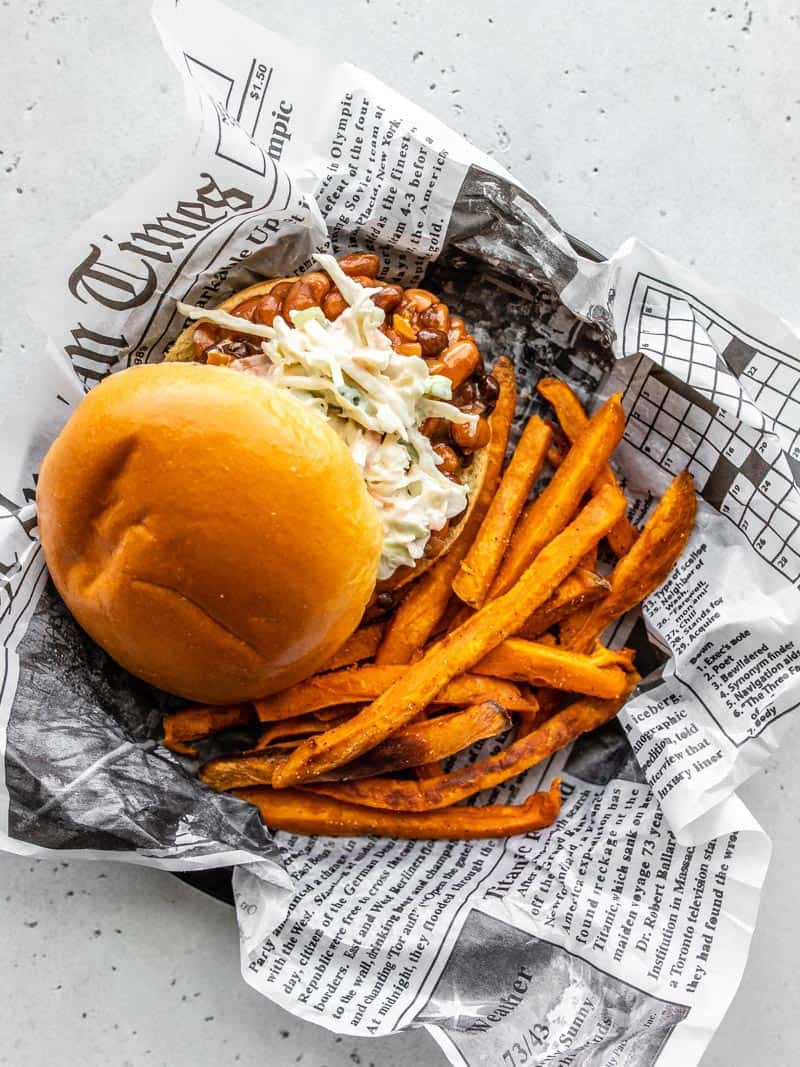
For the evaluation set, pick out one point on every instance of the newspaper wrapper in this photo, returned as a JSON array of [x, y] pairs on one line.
[[619, 935]]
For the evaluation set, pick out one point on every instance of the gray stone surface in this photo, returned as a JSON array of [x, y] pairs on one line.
[[679, 123]]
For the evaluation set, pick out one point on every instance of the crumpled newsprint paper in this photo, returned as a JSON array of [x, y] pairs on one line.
[[619, 935]]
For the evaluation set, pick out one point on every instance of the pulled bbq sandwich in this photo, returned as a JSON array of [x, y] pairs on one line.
[[219, 523]]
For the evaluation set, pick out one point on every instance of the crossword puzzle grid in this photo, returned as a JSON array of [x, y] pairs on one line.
[[731, 462], [685, 341]]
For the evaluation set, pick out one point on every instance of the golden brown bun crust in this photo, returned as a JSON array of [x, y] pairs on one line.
[[212, 535], [183, 351]]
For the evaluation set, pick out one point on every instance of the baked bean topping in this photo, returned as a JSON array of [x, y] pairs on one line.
[[450, 463], [417, 324], [466, 395], [203, 337], [457, 361], [306, 292], [488, 391], [366, 263], [245, 310], [436, 317], [433, 341], [404, 328], [217, 358], [435, 428], [409, 348], [471, 436], [333, 304], [267, 308], [388, 298], [456, 329]]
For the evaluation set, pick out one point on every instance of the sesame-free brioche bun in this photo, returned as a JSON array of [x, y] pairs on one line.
[[209, 532]]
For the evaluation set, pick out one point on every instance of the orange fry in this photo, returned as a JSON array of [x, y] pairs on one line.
[[648, 563], [361, 645], [201, 721], [425, 742], [367, 682], [336, 712], [418, 743], [539, 664], [300, 726], [558, 731], [300, 812], [480, 564], [459, 650], [550, 512], [573, 421], [243, 768], [581, 588], [425, 603]]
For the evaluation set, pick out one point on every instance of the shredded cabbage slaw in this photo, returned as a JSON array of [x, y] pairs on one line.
[[373, 398]]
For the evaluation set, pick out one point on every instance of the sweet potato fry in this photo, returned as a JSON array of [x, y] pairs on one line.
[[241, 769], [573, 421], [459, 650], [423, 606], [361, 645], [480, 564], [648, 563], [409, 747], [581, 588], [300, 726], [565, 726], [201, 721], [557, 668], [301, 812], [337, 712], [550, 512], [424, 742], [555, 455], [367, 682]]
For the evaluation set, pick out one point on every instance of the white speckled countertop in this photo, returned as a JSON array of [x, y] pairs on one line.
[[677, 123]]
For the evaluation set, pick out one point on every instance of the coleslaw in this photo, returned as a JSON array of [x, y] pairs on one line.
[[375, 400]]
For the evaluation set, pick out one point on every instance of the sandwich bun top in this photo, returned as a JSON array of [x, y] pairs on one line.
[[208, 531]]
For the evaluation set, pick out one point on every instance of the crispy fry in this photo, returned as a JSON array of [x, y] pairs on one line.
[[429, 770], [422, 682], [367, 682], [243, 768], [581, 588], [573, 421], [300, 812], [538, 664], [361, 645], [589, 561], [555, 455], [300, 726], [337, 712], [550, 512], [647, 564], [425, 603], [425, 742], [480, 564], [414, 745], [201, 721], [562, 728]]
